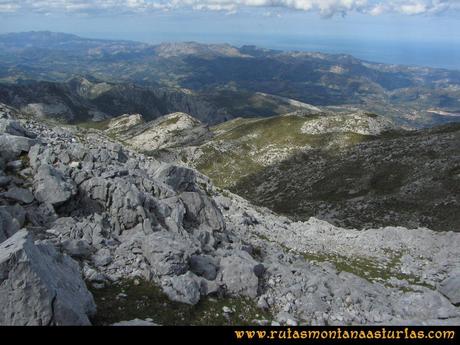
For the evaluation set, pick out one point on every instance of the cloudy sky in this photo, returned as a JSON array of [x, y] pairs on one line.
[[325, 8], [237, 21]]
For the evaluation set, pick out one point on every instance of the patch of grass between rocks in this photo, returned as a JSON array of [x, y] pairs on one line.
[[127, 300]]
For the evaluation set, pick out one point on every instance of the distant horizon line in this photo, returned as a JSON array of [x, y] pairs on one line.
[[272, 47]]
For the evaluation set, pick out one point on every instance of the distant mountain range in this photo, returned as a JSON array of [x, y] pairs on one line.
[[231, 79]]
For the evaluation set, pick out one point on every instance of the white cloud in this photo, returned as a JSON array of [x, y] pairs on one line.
[[415, 8], [325, 8]]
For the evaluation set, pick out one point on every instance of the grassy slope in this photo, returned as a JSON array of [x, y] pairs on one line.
[[351, 180], [240, 145], [127, 300]]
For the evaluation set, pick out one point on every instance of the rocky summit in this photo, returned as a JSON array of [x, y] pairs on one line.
[[94, 232]]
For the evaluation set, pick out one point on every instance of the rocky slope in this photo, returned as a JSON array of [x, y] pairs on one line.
[[79, 208], [82, 100], [351, 168], [174, 130], [407, 179]]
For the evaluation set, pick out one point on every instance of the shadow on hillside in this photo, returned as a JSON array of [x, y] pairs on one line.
[[411, 180]]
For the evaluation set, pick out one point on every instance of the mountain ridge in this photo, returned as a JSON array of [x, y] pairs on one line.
[[405, 94]]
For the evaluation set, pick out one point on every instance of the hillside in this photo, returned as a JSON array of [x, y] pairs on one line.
[[101, 234], [352, 173], [353, 169], [81, 100]]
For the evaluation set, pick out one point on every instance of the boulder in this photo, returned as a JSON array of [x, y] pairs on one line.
[[40, 286], [202, 212], [184, 288], [237, 275], [11, 220], [204, 266], [51, 187], [181, 179], [19, 194], [102, 257], [4, 180], [13, 127], [77, 248], [426, 305], [166, 254], [450, 287], [11, 146]]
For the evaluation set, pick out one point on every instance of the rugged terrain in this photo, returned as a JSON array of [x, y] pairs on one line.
[[231, 79], [352, 169], [149, 239]]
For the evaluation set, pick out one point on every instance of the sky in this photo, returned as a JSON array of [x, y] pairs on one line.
[[380, 30]]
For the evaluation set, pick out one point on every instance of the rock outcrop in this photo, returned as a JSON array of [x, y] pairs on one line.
[[169, 131], [39, 286]]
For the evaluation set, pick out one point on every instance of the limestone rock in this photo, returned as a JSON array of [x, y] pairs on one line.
[[11, 220], [204, 266], [183, 288], [202, 212], [166, 254], [51, 187], [77, 248], [181, 179], [13, 127], [450, 288], [19, 194], [237, 274], [39, 286], [11, 146], [102, 257]]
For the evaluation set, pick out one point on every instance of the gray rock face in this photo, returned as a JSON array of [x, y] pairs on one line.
[[204, 266], [77, 248], [179, 178], [11, 220], [11, 146], [427, 305], [237, 274], [51, 187], [102, 257], [4, 180], [202, 212], [184, 288], [13, 127], [450, 288], [40, 286], [19, 194], [166, 254], [308, 282]]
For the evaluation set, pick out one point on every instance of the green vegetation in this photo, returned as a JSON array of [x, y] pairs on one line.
[[368, 268], [244, 147], [170, 121], [100, 125], [364, 267], [127, 300]]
